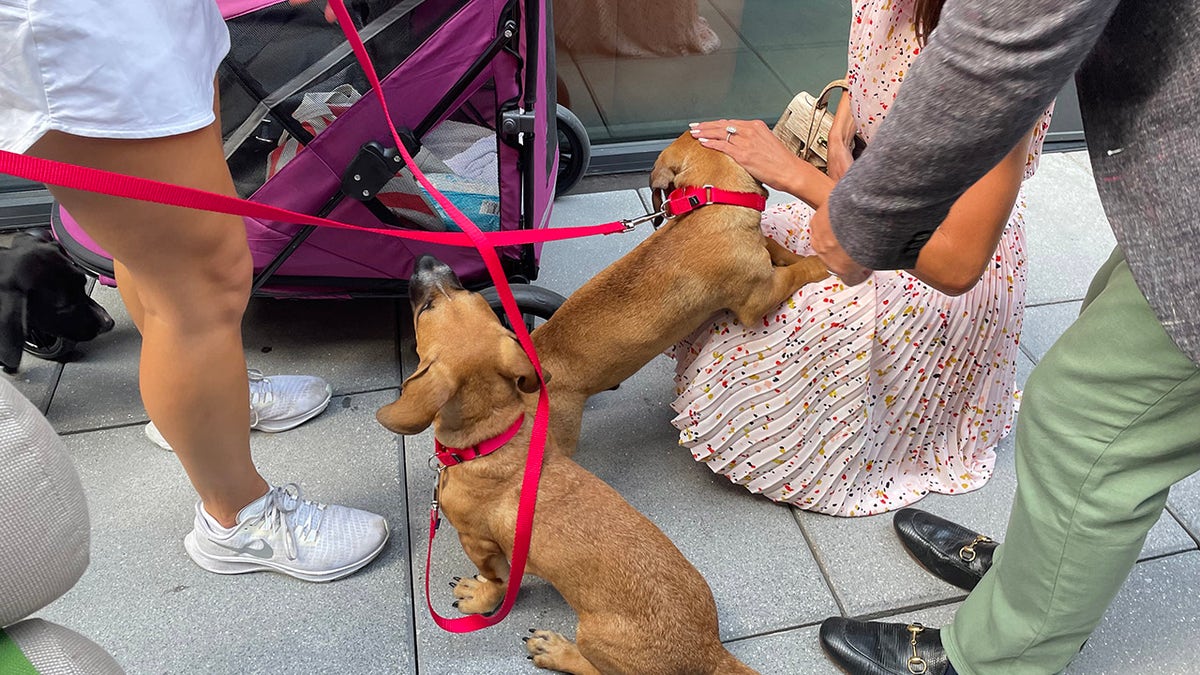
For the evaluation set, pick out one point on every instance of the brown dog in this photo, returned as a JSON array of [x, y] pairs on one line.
[[710, 259], [643, 609]]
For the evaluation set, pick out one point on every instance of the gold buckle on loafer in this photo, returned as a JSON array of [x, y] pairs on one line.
[[967, 553], [916, 664]]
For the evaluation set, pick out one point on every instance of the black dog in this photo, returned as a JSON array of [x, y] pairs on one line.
[[42, 293]]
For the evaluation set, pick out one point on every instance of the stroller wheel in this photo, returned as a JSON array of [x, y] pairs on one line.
[[536, 304], [574, 150], [49, 347]]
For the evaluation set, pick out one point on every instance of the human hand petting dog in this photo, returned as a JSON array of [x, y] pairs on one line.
[[751, 144]]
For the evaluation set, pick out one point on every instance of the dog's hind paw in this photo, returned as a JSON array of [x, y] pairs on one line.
[[552, 651], [477, 595]]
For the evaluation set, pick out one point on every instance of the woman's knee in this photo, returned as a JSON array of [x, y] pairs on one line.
[[227, 283], [204, 288]]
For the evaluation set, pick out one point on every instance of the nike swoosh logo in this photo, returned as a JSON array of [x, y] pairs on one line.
[[261, 550]]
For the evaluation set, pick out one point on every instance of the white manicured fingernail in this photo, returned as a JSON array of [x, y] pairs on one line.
[[693, 124]]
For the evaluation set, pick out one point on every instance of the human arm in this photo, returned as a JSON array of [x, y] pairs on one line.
[[841, 140], [989, 69], [961, 248], [958, 251]]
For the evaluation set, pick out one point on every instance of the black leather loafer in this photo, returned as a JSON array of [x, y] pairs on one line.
[[951, 552], [874, 648]]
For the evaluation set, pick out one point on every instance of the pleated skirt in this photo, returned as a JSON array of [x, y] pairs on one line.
[[857, 401]]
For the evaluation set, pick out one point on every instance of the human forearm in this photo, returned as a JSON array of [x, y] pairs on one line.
[[989, 69], [840, 154], [808, 184], [962, 247]]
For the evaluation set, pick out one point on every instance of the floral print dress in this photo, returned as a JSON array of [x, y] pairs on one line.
[[855, 401]]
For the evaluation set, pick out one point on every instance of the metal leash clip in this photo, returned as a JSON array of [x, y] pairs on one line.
[[435, 511], [632, 223]]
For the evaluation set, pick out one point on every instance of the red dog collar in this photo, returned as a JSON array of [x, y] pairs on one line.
[[682, 200], [451, 456]]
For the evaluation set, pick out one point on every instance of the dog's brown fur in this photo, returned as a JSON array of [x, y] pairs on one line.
[[710, 259], [643, 608]]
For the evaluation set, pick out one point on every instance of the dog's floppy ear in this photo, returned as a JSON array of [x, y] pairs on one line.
[[422, 396], [515, 365], [12, 329]]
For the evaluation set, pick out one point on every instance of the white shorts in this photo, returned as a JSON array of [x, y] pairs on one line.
[[107, 68]]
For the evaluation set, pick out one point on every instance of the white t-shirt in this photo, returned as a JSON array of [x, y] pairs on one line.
[[107, 68]]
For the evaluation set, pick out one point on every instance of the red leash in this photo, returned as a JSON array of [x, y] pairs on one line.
[[144, 189], [130, 187], [537, 442]]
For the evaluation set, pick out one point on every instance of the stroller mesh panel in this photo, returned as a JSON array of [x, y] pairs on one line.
[[281, 53]]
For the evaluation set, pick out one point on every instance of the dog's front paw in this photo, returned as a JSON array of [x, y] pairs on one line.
[[477, 595], [552, 651]]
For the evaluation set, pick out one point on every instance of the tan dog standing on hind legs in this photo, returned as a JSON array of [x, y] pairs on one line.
[[713, 258], [643, 608]]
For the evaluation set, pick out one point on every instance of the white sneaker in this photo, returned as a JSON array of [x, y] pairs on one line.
[[281, 532], [277, 403]]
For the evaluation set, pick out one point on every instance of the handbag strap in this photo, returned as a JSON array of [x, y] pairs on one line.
[[819, 108]]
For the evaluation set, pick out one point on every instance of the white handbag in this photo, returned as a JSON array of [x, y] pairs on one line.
[[805, 124]]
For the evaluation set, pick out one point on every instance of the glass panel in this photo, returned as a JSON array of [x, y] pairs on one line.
[[640, 70], [636, 70]]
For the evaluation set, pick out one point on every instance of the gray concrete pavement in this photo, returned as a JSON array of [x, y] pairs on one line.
[[775, 572]]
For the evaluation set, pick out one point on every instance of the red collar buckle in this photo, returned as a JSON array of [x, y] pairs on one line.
[[683, 200], [447, 456]]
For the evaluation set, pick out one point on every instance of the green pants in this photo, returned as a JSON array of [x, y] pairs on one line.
[[1109, 421]]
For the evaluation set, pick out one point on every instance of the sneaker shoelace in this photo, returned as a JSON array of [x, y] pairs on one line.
[[261, 393], [305, 516]]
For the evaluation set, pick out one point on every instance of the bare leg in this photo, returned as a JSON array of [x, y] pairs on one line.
[[127, 287], [185, 276]]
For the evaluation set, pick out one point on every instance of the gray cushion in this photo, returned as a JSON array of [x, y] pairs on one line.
[[54, 650], [44, 528]]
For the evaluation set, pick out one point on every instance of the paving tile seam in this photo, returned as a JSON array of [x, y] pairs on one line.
[[821, 567], [1170, 554], [48, 398], [769, 633], [124, 425], [1183, 523], [110, 427], [1051, 303], [413, 553], [906, 609], [1028, 354], [338, 394]]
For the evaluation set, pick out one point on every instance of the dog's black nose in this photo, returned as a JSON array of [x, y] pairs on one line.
[[429, 273], [427, 264]]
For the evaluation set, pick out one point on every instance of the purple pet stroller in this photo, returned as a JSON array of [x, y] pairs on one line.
[[469, 83]]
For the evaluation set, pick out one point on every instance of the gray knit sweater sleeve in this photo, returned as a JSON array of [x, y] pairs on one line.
[[990, 68]]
